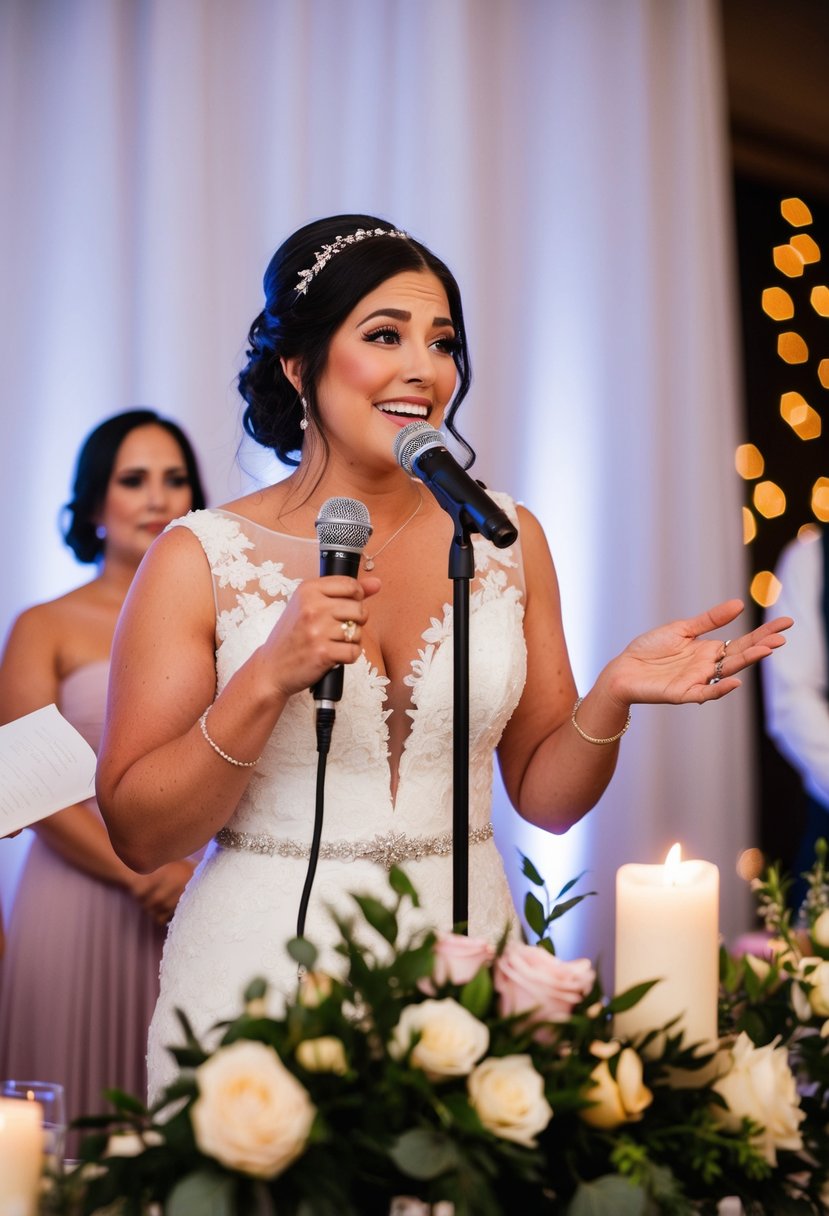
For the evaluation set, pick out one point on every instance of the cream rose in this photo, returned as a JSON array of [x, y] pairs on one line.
[[458, 959], [814, 976], [508, 1095], [760, 1086], [530, 978], [314, 988], [131, 1144], [451, 1039], [325, 1054], [820, 930], [617, 1099], [251, 1113]]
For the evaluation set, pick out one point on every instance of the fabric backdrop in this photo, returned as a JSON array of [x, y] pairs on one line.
[[566, 157]]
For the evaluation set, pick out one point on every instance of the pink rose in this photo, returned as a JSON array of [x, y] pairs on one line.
[[529, 978], [458, 959]]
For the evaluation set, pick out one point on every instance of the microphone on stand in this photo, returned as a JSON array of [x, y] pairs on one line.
[[343, 529], [419, 449]]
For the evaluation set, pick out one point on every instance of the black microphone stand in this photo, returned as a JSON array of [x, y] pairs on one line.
[[461, 571]]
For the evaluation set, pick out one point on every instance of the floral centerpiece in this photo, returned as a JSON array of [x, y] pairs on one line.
[[486, 1081]]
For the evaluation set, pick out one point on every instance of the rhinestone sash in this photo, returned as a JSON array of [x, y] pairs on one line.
[[386, 850]]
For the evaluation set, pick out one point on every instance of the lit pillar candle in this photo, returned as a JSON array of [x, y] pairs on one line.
[[667, 929], [21, 1156]]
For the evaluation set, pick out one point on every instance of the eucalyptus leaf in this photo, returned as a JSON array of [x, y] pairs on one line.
[[423, 1154], [302, 952], [529, 871], [379, 917], [610, 1195], [203, 1192], [477, 994], [401, 884], [534, 914], [256, 989], [568, 886]]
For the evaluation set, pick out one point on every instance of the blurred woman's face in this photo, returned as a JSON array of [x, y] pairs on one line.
[[148, 487]]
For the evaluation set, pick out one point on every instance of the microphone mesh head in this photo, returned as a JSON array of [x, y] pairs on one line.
[[343, 523], [413, 439]]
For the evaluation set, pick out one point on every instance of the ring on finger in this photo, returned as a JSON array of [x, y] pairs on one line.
[[717, 676], [724, 650], [349, 629]]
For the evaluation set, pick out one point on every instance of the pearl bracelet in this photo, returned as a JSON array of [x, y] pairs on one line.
[[589, 738], [218, 750]]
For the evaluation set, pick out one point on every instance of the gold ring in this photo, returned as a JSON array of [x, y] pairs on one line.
[[349, 629]]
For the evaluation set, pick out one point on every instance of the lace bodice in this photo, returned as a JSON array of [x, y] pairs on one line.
[[255, 571], [241, 906]]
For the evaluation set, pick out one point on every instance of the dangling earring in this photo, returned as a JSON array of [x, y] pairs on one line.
[[100, 532], [303, 425]]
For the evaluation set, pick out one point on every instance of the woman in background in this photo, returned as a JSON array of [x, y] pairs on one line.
[[85, 935]]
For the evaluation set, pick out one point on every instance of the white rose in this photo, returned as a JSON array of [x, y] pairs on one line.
[[820, 929], [325, 1054], [131, 1144], [451, 1039], [508, 1095], [815, 973], [760, 1086], [616, 1099], [251, 1113], [314, 988]]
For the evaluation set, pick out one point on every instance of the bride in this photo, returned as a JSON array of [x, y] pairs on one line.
[[210, 732]]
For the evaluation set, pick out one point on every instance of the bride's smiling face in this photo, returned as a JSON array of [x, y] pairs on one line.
[[389, 363]]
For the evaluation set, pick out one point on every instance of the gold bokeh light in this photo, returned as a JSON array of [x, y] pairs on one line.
[[769, 499], [765, 588], [808, 532], [820, 300], [820, 499], [788, 261], [777, 304], [808, 248], [804, 421], [748, 461], [791, 348], [749, 526], [823, 372], [795, 212], [750, 864]]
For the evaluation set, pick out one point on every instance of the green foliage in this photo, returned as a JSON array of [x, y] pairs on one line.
[[383, 1126]]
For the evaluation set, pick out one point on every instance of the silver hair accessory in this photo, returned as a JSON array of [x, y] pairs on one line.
[[323, 256], [303, 424]]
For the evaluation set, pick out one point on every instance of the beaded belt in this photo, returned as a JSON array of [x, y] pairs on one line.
[[387, 850]]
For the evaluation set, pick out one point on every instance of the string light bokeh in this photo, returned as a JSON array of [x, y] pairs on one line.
[[772, 494]]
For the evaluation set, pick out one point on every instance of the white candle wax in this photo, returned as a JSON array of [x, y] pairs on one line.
[[21, 1156], [667, 929]]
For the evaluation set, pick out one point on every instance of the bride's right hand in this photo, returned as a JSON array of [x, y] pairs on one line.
[[320, 627]]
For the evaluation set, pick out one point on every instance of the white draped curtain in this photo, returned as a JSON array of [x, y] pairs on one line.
[[566, 157]]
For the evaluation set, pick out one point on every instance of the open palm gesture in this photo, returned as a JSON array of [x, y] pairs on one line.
[[676, 663]]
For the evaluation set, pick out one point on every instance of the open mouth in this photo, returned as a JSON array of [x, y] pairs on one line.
[[405, 410]]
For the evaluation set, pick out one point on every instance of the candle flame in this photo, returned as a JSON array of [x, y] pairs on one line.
[[672, 863]]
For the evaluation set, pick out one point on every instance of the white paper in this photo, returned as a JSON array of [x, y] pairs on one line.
[[45, 765]]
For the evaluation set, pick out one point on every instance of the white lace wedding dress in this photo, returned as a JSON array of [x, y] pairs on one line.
[[241, 907]]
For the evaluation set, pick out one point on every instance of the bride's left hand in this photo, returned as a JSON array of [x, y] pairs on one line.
[[676, 663]]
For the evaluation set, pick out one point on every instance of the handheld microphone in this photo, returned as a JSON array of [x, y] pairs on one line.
[[343, 529], [419, 449]]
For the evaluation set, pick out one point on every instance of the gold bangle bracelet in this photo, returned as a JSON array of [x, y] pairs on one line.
[[589, 738], [218, 750]]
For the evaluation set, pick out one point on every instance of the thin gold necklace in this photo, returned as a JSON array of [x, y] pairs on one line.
[[370, 558]]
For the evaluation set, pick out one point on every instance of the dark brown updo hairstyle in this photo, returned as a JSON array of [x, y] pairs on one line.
[[297, 325], [93, 471]]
